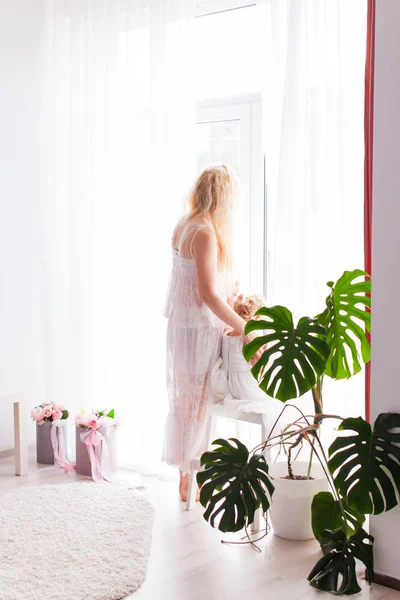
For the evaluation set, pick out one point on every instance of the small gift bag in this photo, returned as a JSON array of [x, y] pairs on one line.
[[96, 445], [51, 438], [44, 448]]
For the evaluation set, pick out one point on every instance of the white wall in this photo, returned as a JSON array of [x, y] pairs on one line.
[[385, 366], [20, 51]]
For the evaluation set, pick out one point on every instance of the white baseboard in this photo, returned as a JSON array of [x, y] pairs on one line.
[[7, 452]]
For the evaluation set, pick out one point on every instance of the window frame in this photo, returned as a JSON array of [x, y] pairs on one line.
[[248, 110]]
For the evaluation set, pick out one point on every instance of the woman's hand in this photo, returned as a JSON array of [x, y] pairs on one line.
[[256, 357]]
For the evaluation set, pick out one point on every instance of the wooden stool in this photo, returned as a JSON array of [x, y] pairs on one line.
[[20, 442], [219, 410]]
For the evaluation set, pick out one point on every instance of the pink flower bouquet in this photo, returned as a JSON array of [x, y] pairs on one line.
[[95, 444], [51, 438], [49, 412], [96, 419]]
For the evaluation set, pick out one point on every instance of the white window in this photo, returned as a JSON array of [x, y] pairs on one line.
[[229, 39], [230, 53], [229, 131]]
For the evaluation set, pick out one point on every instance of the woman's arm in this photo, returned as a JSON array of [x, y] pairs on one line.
[[205, 252]]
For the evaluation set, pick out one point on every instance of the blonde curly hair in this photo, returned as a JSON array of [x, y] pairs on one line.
[[246, 305]]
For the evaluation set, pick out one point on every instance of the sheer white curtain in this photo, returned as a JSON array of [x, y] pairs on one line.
[[118, 128], [314, 141], [20, 304]]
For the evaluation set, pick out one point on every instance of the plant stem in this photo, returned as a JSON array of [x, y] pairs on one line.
[[325, 467], [264, 445], [317, 398], [287, 405], [318, 416], [310, 461], [318, 406], [283, 437], [289, 461], [325, 416], [324, 464]]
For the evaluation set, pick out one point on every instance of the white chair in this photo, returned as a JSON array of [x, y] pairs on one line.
[[218, 410], [20, 442]]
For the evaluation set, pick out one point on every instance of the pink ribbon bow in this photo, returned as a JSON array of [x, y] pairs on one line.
[[58, 441], [98, 454]]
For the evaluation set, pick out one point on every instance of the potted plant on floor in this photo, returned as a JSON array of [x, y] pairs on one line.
[[332, 344], [236, 482]]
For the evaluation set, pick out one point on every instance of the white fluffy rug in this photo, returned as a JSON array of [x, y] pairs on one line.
[[74, 541]]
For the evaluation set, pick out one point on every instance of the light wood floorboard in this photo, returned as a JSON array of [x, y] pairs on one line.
[[188, 560]]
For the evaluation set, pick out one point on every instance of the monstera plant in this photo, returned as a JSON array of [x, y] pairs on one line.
[[362, 466]]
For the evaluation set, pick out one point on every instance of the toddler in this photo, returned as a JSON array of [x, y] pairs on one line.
[[231, 377]]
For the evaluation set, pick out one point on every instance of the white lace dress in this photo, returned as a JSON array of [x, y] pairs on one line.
[[194, 337]]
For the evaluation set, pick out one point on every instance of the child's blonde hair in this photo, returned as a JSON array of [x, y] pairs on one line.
[[245, 306]]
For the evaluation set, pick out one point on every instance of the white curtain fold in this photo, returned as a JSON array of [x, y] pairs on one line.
[[117, 120], [314, 144], [21, 340]]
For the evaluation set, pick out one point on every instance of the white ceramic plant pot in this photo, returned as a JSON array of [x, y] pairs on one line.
[[290, 511]]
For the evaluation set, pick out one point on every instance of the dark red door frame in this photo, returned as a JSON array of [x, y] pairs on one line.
[[368, 167]]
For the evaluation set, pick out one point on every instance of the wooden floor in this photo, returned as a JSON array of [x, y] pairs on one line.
[[188, 561]]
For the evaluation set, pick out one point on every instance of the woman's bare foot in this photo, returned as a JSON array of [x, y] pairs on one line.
[[184, 486], [180, 483]]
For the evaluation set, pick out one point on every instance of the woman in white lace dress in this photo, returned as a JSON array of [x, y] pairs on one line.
[[197, 311]]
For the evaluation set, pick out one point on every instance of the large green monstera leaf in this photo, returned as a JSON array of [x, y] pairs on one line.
[[366, 465], [336, 570], [232, 485], [327, 515], [345, 322], [294, 357]]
